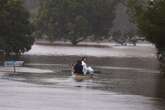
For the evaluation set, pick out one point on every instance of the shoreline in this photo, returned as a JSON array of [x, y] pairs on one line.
[[144, 51]]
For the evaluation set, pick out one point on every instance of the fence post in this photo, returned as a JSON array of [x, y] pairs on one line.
[[14, 68]]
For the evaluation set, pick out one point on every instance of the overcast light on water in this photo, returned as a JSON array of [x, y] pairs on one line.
[[82, 55], [126, 78], [142, 50]]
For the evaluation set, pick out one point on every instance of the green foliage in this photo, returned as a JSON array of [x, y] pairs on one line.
[[15, 27], [75, 20], [32, 5], [149, 17]]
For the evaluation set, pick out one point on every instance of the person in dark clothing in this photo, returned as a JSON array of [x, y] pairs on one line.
[[78, 68]]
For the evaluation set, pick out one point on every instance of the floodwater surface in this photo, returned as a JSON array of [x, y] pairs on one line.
[[132, 81]]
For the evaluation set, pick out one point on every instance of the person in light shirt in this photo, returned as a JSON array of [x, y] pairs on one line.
[[86, 69]]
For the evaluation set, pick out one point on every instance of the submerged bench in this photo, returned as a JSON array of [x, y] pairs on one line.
[[13, 63]]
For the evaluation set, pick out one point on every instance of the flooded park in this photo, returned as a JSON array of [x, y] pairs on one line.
[[82, 55], [126, 78]]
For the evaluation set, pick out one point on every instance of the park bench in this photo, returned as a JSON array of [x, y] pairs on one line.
[[13, 64]]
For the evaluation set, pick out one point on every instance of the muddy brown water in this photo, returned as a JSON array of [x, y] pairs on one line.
[[137, 76], [132, 81]]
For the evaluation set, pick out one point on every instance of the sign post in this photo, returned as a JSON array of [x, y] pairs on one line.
[[14, 67], [13, 64]]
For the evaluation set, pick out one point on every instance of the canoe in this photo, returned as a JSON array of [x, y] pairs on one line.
[[82, 77]]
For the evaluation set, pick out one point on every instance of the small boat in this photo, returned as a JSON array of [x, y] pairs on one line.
[[82, 77]]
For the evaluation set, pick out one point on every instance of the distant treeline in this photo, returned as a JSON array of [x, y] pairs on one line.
[[32, 5], [79, 20]]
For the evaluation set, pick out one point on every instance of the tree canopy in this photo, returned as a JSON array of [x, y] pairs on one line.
[[150, 18], [75, 20], [15, 27]]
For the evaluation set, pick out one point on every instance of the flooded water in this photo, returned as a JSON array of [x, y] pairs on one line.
[[132, 81]]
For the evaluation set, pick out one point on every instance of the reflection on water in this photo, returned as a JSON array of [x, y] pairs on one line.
[[161, 82], [23, 96], [125, 80], [116, 85], [109, 50]]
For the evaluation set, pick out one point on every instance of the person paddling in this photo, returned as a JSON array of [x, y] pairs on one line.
[[78, 68]]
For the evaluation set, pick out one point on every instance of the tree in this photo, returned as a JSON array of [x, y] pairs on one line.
[[149, 17], [75, 20], [15, 27], [118, 37], [132, 37]]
